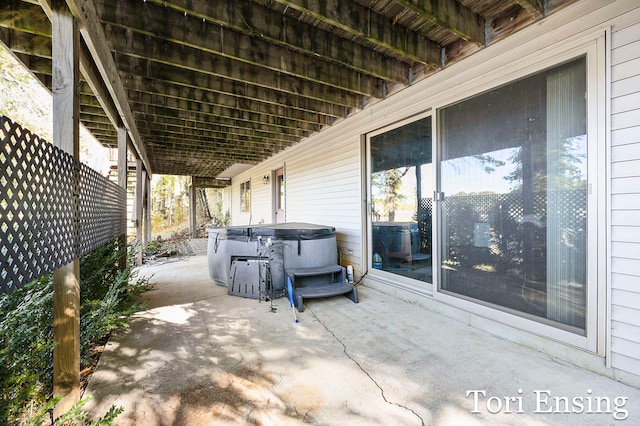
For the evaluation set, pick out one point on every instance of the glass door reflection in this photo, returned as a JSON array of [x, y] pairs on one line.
[[401, 186]]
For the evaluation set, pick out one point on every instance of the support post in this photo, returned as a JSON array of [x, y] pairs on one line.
[[147, 211], [138, 211], [122, 183], [65, 47], [122, 157], [192, 208]]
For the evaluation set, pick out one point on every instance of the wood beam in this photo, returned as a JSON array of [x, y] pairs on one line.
[[199, 102], [207, 182], [199, 73], [27, 17], [534, 7], [91, 110], [208, 162], [98, 87], [231, 73], [214, 145], [202, 137], [176, 152], [36, 64], [27, 43], [285, 124], [93, 35], [210, 168], [177, 125], [199, 139], [193, 140], [254, 20], [362, 22], [106, 128], [233, 91], [66, 279], [90, 118], [97, 133], [450, 15], [139, 23], [274, 124], [106, 140], [209, 147]]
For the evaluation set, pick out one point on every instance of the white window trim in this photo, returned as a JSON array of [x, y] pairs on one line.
[[394, 280], [243, 198]]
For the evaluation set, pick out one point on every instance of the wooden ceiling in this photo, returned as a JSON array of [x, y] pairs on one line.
[[202, 85]]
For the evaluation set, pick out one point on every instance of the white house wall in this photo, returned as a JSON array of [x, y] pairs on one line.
[[625, 195], [324, 173], [322, 186]]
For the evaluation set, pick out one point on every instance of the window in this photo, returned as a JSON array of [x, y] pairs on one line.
[[245, 197], [513, 180]]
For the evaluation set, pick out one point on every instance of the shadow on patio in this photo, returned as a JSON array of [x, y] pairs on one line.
[[199, 356]]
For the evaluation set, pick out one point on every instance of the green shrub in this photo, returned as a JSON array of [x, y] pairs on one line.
[[107, 298], [26, 348], [107, 294], [75, 416]]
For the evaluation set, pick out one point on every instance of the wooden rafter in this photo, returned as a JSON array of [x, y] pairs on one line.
[[209, 106], [231, 91], [197, 136], [213, 99], [235, 72], [534, 7], [450, 15], [258, 21], [362, 22], [134, 31]]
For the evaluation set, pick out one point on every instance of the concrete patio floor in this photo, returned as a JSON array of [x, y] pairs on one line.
[[198, 356]]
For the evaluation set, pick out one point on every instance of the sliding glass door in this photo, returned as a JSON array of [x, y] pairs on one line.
[[400, 200], [513, 184]]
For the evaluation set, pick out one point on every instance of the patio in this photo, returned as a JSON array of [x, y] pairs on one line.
[[199, 356]]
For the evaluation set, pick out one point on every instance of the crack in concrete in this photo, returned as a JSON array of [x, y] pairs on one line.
[[344, 349]]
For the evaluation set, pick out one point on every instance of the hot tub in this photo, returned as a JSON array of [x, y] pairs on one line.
[[276, 246]]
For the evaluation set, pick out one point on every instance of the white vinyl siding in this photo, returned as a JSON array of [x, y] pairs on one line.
[[625, 197], [261, 199], [322, 186]]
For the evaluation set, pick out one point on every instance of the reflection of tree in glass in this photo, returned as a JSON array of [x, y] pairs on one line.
[[388, 182], [462, 165], [488, 162], [562, 166]]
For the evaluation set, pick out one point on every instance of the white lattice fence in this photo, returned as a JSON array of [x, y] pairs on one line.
[[53, 208]]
